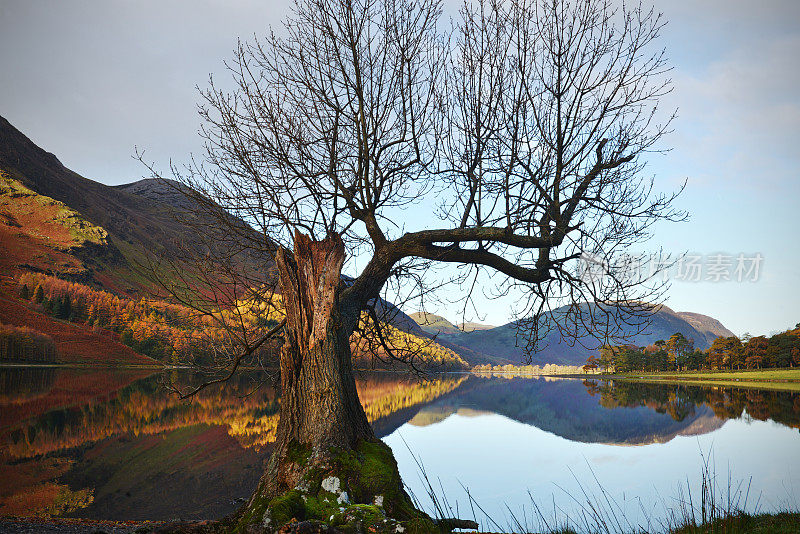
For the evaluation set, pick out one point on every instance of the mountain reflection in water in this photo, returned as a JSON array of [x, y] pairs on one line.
[[117, 445]]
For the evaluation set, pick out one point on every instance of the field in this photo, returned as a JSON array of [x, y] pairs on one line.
[[764, 375], [776, 379]]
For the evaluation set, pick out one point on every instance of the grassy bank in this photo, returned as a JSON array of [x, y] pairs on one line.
[[774, 379], [782, 523], [763, 375], [753, 384]]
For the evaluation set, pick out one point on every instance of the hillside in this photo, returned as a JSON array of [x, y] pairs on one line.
[[503, 342], [470, 326], [434, 324], [705, 324], [138, 220], [56, 222]]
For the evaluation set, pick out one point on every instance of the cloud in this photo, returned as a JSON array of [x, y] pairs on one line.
[[88, 80], [740, 115]]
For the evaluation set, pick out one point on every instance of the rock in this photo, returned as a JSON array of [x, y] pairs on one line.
[[449, 524], [307, 527]]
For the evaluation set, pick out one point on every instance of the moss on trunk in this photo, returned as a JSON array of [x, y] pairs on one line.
[[327, 468], [351, 490]]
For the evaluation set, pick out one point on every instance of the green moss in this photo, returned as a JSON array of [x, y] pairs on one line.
[[323, 506], [379, 475], [365, 473], [252, 515], [379, 470], [286, 507], [346, 460], [358, 517], [313, 478], [298, 453]]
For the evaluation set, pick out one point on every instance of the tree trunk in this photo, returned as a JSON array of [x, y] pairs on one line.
[[326, 455]]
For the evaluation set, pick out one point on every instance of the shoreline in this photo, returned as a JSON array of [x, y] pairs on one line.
[[768, 522]]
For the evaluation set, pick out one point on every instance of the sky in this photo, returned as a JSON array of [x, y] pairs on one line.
[[92, 80]]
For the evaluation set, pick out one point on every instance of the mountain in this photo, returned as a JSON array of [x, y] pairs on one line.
[[167, 192], [504, 343], [705, 324], [55, 221], [137, 219], [434, 324], [444, 332]]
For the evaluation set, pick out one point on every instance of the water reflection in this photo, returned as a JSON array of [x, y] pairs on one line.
[[570, 409], [116, 445], [682, 401], [119, 446]]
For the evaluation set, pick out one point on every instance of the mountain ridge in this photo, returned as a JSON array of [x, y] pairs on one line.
[[504, 344], [59, 223]]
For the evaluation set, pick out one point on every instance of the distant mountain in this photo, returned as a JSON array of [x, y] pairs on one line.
[[445, 332], [504, 343], [706, 324], [434, 324]]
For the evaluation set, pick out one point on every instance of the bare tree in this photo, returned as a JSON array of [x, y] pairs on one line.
[[529, 120]]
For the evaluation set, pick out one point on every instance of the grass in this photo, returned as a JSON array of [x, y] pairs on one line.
[[718, 506], [45, 218], [780, 523], [772, 379], [762, 374]]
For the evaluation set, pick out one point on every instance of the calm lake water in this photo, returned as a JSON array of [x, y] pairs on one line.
[[116, 445]]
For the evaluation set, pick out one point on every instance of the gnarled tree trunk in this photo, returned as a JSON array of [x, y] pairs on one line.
[[326, 457]]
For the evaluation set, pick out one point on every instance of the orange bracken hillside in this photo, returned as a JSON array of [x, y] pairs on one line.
[[82, 241], [76, 344]]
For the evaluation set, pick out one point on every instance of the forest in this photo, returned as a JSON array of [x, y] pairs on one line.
[[679, 354], [176, 334], [20, 343]]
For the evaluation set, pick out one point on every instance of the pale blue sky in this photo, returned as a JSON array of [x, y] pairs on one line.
[[89, 80]]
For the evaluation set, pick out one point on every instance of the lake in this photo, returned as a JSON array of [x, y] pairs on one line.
[[116, 445]]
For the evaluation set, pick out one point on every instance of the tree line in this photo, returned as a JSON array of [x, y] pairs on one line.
[[177, 334], [23, 344], [678, 353]]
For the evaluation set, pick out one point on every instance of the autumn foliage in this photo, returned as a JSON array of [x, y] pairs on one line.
[[23, 344], [177, 334], [678, 354]]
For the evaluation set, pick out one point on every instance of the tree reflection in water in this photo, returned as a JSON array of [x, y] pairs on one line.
[[680, 401], [82, 427], [116, 445]]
